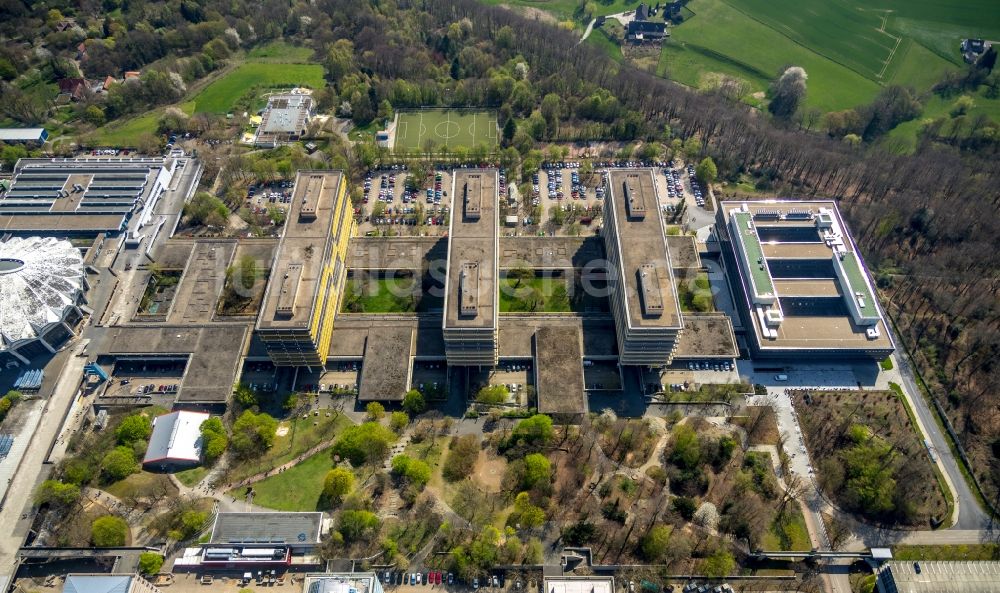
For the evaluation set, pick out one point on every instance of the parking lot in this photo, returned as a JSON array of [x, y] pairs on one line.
[[396, 203]]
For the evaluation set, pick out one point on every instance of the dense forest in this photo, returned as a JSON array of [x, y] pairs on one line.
[[926, 222]]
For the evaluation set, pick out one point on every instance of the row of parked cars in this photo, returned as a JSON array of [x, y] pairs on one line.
[[710, 366]]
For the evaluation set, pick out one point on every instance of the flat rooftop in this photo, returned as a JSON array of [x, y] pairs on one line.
[[395, 253], [782, 231], [592, 584], [343, 582], [277, 528], [80, 195], [385, 374], [940, 576], [473, 240], [550, 252], [707, 336], [643, 248], [559, 370], [301, 254], [213, 354], [683, 251], [201, 285]]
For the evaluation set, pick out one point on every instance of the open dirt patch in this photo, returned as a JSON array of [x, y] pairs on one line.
[[489, 471]]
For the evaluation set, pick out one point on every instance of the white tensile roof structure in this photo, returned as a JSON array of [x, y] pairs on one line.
[[176, 438], [41, 279]]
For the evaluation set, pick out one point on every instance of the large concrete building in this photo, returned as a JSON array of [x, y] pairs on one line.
[[66, 197], [41, 295], [285, 119], [308, 272], [803, 285], [640, 279], [471, 297]]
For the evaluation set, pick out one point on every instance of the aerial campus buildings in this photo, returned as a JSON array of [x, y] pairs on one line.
[[804, 288], [798, 283]]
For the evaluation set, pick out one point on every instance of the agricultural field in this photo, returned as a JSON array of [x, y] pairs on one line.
[[567, 9], [848, 47], [223, 94], [450, 128]]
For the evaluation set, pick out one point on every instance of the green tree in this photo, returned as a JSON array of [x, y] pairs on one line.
[[492, 394], [537, 470], [461, 458], [150, 562], [253, 434], [137, 427], [365, 443], [416, 472], [94, 115], [414, 403], [245, 396], [375, 411], [119, 463], [686, 452], [526, 515], [706, 171], [56, 493], [398, 421], [509, 129], [535, 431], [720, 564], [338, 483], [109, 532], [206, 209], [655, 543], [213, 439]]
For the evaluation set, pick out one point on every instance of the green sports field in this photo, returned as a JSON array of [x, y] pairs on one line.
[[445, 127]]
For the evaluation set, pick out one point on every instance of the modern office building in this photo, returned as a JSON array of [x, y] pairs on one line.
[[65, 197], [284, 120], [308, 272], [470, 301], [640, 278], [803, 285]]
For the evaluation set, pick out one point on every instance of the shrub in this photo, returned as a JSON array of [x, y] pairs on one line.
[[355, 524], [416, 472], [375, 411], [654, 544], [492, 394], [414, 403], [398, 421], [461, 458], [338, 482], [57, 493], [109, 532], [213, 440], [150, 562], [535, 431]]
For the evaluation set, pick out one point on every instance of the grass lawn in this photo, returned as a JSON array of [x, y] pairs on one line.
[[223, 94], [141, 485], [388, 295], [281, 50], [731, 37], [296, 489], [190, 477], [295, 436], [789, 532], [547, 295], [600, 38], [946, 552], [445, 127], [122, 133]]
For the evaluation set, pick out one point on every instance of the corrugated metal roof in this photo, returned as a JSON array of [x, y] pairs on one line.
[[176, 436]]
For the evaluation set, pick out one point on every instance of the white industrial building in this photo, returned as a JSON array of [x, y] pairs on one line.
[[176, 440]]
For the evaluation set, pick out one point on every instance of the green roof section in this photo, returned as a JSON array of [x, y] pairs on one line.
[[855, 275], [756, 263]]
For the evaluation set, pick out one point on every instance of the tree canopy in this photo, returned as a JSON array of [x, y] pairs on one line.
[[109, 532], [365, 443]]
